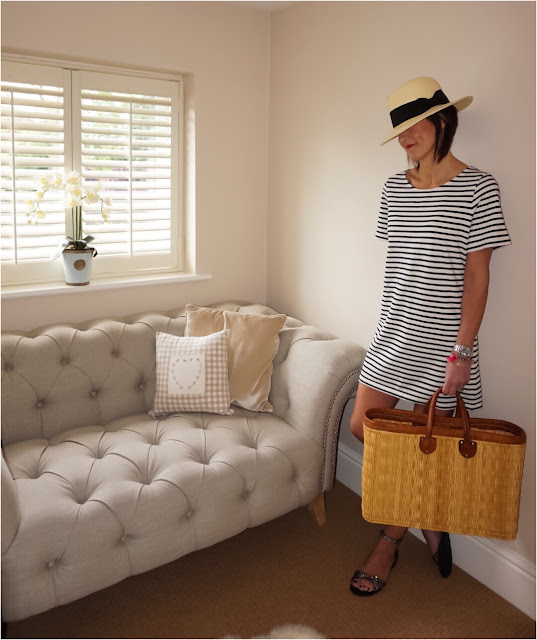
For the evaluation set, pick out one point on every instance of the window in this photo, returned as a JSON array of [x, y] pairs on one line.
[[120, 130]]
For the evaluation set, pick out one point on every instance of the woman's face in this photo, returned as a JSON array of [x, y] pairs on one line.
[[419, 140]]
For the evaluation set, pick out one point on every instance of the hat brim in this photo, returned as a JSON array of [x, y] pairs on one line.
[[460, 104]]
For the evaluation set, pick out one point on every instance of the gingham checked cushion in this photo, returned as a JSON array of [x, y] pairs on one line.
[[192, 374]]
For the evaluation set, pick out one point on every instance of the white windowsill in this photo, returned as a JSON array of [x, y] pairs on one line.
[[100, 284]]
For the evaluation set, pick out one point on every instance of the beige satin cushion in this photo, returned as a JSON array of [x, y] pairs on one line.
[[253, 343]]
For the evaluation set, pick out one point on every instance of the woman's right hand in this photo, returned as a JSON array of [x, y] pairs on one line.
[[457, 376]]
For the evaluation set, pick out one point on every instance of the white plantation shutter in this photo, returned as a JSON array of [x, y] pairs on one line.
[[35, 142], [120, 130], [128, 142]]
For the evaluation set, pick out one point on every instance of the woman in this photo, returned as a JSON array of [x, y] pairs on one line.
[[442, 219]]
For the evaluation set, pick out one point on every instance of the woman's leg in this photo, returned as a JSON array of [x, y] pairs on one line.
[[368, 398], [381, 559]]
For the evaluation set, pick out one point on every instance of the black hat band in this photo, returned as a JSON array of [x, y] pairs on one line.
[[417, 107]]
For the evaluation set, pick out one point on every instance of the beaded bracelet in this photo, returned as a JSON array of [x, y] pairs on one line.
[[458, 359]]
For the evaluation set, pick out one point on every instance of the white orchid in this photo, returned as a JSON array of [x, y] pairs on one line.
[[73, 201], [57, 181], [77, 195], [92, 195], [72, 178]]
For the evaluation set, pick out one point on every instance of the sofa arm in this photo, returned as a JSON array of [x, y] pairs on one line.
[[315, 374], [10, 508]]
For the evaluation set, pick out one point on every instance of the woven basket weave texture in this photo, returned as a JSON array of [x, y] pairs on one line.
[[442, 491]]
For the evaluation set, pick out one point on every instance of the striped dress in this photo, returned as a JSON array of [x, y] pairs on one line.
[[429, 233]]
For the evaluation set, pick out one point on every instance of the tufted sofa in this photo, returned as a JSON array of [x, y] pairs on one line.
[[95, 490]]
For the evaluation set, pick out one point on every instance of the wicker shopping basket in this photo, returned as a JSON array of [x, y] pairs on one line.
[[460, 475]]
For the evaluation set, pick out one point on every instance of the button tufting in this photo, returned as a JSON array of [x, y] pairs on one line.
[[115, 354], [141, 386], [8, 367], [39, 404], [51, 564], [124, 538], [189, 514], [93, 394], [65, 361]]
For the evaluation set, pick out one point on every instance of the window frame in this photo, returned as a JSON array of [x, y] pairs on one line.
[[44, 271]]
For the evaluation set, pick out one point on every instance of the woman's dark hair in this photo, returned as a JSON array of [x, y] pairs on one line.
[[443, 134]]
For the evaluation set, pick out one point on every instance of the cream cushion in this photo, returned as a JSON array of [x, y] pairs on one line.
[[192, 374], [253, 344]]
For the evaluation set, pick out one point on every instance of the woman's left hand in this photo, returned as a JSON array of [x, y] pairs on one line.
[[457, 375]]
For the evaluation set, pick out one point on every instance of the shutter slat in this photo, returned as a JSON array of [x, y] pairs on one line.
[[35, 162], [7, 111], [37, 126], [19, 89], [126, 120], [48, 103], [89, 106], [120, 131], [122, 175], [27, 149], [27, 137], [123, 98]]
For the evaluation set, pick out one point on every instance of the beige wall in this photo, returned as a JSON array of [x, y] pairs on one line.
[[333, 64], [224, 49]]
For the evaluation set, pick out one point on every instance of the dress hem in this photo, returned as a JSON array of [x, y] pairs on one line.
[[443, 400]]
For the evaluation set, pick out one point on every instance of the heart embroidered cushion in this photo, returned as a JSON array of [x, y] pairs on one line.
[[253, 343], [192, 374]]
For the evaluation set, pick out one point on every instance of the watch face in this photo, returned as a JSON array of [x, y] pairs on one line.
[[465, 352]]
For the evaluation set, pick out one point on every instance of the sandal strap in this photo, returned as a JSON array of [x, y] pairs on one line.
[[377, 582], [386, 537]]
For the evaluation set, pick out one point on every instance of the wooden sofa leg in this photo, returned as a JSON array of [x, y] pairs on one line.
[[318, 510]]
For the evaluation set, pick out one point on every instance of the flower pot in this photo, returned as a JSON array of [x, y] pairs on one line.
[[77, 266]]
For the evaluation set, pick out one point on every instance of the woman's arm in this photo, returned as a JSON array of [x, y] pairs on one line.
[[474, 300]]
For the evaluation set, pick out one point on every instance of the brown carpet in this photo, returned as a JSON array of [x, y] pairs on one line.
[[288, 571]]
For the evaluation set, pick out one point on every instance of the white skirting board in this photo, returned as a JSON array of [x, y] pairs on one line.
[[502, 571]]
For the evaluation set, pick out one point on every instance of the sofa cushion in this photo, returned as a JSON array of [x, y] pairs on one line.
[[253, 344], [109, 502], [191, 374]]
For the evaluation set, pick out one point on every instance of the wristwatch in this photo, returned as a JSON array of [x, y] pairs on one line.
[[463, 351]]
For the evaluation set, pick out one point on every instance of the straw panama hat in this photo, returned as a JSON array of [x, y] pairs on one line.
[[416, 100]]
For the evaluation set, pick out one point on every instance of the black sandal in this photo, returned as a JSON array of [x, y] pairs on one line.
[[377, 582], [442, 558]]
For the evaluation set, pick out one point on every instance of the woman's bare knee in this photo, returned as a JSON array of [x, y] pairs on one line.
[[367, 398]]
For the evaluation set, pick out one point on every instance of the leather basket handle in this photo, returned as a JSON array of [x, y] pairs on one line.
[[467, 447]]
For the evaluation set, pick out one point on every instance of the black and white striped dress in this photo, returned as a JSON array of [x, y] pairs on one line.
[[429, 233]]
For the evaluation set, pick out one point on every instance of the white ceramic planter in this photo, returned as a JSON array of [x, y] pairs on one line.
[[77, 266]]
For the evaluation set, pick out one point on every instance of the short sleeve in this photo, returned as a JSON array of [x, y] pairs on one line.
[[382, 224], [488, 228]]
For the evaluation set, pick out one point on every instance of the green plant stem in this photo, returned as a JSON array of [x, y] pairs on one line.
[[76, 220]]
